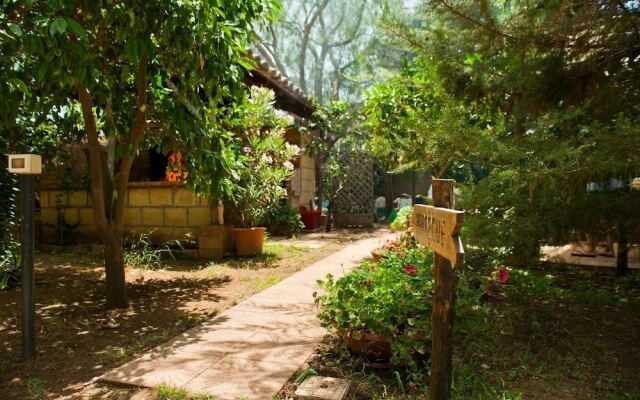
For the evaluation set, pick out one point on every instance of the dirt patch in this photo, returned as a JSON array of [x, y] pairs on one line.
[[77, 340]]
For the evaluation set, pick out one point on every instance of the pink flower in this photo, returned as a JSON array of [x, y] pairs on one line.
[[410, 269], [503, 275]]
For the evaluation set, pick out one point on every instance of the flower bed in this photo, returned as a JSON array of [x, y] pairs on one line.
[[390, 299], [382, 308]]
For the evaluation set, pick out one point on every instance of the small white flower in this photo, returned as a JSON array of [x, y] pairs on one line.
[[294, 148], [267, 158], [288, 165], [246, 150]]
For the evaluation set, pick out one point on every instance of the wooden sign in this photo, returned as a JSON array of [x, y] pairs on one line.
[[438, 229]]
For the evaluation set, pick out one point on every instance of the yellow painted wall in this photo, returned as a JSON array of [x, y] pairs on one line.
[[165, 211]]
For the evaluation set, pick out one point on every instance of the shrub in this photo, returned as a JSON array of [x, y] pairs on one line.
[[9, 264], [391, 298], [285, 220], [403, 219], [264, 159]]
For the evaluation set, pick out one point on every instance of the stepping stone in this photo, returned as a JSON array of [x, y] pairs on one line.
[[323, 388]]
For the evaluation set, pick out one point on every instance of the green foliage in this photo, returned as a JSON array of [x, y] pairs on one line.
[[193, 54], [304, 375], [34, 388], [339, 59], [338, 131], [403, 219], [166, 392], [140, 253], [157, 72], [9, 264], [497, 98], [391, 297], [285, 220], [264, 160]]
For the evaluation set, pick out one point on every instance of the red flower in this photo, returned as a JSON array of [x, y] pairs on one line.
[[410, 269], [503, 275]]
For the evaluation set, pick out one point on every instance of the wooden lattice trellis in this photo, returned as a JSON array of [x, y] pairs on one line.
[[356, 195]]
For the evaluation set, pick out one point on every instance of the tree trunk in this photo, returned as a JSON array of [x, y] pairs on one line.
[[622, 261], [114, 269], [309, 22]]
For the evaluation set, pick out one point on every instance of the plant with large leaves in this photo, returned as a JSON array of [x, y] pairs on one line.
[[139, 71]]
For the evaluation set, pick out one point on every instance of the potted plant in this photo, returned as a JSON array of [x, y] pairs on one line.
[[382, 309], [405, 241], [263, 165], [284, 221]]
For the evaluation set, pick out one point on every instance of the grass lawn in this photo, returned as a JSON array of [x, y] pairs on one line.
[[552, 332], [77, 340]]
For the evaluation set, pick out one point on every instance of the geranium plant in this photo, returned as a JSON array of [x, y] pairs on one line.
[[390, 298], [264, 162]]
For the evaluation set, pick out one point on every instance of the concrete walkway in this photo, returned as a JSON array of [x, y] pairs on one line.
[[251, 350]]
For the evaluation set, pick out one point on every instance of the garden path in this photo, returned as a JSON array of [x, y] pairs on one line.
[[251, 350]]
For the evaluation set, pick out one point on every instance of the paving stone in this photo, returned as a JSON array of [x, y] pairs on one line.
[[323, 388], [279, 306], [161, 367], [273, 347], [232, 378], [209, 341], [308, 325]]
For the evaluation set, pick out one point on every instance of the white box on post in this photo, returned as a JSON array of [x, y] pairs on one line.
[[25, 164]]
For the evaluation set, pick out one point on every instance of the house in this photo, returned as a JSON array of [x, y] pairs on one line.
[[159, 204]]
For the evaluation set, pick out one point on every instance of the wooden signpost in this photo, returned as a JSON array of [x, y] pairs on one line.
[[438, 227]]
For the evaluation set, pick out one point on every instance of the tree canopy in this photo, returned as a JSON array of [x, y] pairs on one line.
[[542, 98], [130, 73]]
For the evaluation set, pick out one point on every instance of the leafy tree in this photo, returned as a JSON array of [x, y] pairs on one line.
[[549, 104], [138, 71], [326, 46]]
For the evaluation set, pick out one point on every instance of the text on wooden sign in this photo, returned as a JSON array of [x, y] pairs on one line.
[[438, 229]]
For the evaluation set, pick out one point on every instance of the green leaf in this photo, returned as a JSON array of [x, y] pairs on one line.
[[131, 50], [19, 84], [246, 64], [59, 25], [15, 29], [76, 28]]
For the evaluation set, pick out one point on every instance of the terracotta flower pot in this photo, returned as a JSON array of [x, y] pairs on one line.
[[379, 253], [248, 241], [373, 347]]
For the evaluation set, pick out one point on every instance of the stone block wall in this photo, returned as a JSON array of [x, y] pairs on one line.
[[165, 211], [307, 186]]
